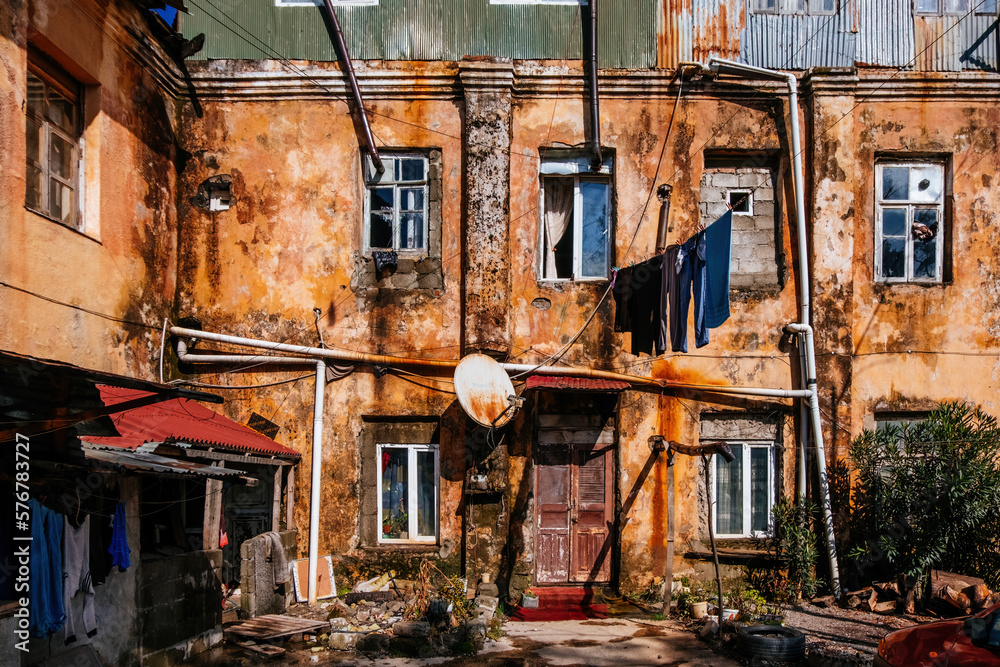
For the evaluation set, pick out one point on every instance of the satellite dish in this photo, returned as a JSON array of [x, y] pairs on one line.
[[482, 386]]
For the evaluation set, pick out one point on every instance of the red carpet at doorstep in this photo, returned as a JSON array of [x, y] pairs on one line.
[[562, 604]]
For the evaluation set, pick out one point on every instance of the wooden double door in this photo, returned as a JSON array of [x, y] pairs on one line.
[[573, 506]]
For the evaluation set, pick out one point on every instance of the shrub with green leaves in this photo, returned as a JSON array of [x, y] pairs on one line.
[[927, 496], [795, 542]]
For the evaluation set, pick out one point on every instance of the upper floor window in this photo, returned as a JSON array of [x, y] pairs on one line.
[[795, 6], [319, 3], [576, 219], [909, 221], [408, 493], [954, 7], [396, 204], [538, 2], [52, 133]]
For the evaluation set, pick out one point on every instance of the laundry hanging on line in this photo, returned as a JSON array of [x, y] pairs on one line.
[[652, 298]]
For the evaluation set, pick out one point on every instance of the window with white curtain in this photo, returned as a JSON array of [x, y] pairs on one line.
[[576, 219], [408, 493], [743, 490]]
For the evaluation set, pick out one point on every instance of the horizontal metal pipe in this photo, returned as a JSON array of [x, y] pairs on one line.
[[385, 360]]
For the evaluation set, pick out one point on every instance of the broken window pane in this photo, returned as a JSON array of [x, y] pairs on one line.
[[397, 214], [895, 183], [411, 230], [60, 202], [925, 183], [33, 196]]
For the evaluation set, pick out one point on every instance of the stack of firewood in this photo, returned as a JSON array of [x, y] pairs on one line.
[[950, 595]]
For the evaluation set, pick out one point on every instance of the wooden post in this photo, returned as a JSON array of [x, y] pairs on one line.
[[276, 500], [711, 534], [290, 499], [668, 573], [213, 510]]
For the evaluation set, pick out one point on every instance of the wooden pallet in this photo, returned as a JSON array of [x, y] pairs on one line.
[[273, 626]]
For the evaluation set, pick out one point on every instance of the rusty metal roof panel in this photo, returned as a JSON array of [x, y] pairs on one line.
[[674, 33], [796, 42], [954, 43], [717, 29], [885, 33], [423, 30], [574, 383]]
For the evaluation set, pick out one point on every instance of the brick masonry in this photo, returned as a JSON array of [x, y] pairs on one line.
[[754, 263]]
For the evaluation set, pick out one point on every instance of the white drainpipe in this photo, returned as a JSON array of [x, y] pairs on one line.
[[801, 327], [314, 484]]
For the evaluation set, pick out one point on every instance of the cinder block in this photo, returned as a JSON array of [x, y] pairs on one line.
[[344, 641], [752, 180], [722, 180]]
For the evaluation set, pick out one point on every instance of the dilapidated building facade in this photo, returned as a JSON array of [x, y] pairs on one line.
[[493, 228]]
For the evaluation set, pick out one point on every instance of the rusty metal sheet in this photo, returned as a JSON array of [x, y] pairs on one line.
[[574, 383], [156, 463], [717, 29], [483, 387], [954, 43], [796, 42]]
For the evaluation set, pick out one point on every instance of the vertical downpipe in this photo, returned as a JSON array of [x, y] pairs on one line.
[[596, 158], [317, 464]]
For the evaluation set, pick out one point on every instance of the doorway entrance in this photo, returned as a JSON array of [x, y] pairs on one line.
[[573, 505]]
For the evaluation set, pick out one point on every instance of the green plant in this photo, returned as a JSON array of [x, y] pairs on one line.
[[454, 590], [926, 496], [528, 593], [749, 602], [795, 542]]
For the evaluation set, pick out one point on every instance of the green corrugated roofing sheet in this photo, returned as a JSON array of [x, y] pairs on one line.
[[424, 30]]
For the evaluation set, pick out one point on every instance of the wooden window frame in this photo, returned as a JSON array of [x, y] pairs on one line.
[[374, 180], [911, 205], [55, 80], [747, 445], [411, 492], [572, 166]]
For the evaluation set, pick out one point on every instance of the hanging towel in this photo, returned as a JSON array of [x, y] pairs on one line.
[[46, 594], [76, 561], [274, 552], [622, 291], [718, 248], [119, 539]]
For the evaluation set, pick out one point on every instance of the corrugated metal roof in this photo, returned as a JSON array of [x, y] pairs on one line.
[[574, 384], [885, 32], [423, 30], [954, 43], [160, 464], [786, 41], [181, 420]]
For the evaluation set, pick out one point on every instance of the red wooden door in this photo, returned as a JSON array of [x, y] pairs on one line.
[[553, 498], [590, 551], [573, 506]]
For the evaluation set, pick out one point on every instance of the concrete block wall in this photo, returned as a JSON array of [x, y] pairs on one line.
[[754, 263], [259, 596]]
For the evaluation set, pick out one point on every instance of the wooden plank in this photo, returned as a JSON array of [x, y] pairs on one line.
[[576, 436], [265, 650], [290, 500], [276, 501], [213, 508], [237, 458], [273, 626]]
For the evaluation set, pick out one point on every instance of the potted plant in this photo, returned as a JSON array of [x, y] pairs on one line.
[[529, 599]]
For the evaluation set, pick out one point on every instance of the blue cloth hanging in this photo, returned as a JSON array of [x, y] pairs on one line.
[[718, 252], [46, 594], [119, 540]]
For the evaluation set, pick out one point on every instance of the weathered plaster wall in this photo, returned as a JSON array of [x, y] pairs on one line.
[[291, 242], [123, 264]]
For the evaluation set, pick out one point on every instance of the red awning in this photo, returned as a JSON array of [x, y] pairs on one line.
[[183, 421], [574, 384]]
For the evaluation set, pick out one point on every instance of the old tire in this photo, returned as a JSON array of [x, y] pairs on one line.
[[771, 642]]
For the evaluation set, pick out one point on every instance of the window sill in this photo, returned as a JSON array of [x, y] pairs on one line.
[[406, 547], [48, 217], [552, 283]]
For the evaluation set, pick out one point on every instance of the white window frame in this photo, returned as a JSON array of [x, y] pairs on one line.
[[411, 492], [741, 191], [71, 91], [947, 8], [539, 2], [771, 448], [319, 3], [372, 181], [910, 205], [577, 168], [794, 7]]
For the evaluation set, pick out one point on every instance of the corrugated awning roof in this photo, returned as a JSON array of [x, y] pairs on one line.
[[574, 384], [184, 421], [161, 464]]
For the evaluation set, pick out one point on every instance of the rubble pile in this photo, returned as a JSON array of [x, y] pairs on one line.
[[950, 595]]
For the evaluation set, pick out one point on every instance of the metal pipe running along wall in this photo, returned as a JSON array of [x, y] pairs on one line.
[[314, 353]]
